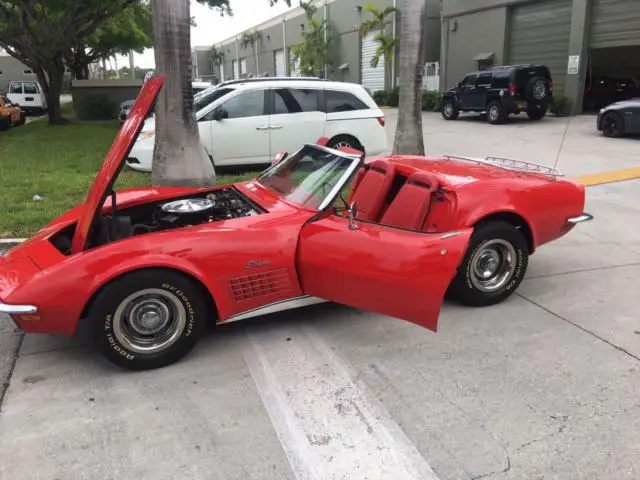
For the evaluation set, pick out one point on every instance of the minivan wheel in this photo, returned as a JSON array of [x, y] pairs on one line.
[[345, 141], [449, 110], [496, 113]]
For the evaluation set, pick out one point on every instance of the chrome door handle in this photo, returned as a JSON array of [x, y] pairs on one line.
[[263, 128], [276, 127]]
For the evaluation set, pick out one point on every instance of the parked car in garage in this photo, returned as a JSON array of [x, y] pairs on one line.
[[246, 123], [149, 268], [500, 92], [28, 95], [602, 91], [10, 114], [125, 107], [620, 118]]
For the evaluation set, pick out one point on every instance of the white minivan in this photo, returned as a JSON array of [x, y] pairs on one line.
[[248, 123], [28, 95]]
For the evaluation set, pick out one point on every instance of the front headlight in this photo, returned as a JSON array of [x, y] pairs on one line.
[[602, 110]]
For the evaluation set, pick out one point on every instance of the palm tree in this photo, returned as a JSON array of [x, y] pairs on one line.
[[179, 158], [409, 139], [378, 22], [218, 58], [252, 39]]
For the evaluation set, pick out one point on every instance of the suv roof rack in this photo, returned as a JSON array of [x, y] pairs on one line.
[[510, 164]]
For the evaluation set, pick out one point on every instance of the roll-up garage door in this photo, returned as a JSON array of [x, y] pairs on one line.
[[280, 64], [539, 33], [243, 67], [615, 23], [372, 78]]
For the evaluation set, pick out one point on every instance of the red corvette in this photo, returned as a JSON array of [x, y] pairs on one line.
[[150, 267]]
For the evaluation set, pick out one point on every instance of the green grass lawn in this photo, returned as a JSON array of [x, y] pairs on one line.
[[59, 164]]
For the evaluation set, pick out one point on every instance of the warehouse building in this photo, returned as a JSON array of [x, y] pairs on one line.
[[350, 52], [587, 44], [12, 69]]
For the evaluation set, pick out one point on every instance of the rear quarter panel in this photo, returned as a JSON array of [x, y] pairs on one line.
[[544, 204]]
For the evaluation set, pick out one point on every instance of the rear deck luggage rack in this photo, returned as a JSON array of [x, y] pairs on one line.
[[510, 164]]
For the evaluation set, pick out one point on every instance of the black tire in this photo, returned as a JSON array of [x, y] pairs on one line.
[[496, 113], [179, 308], [612, 125], [537, 112], [536, 90], [449, 110], [487, 241], [345, 141]]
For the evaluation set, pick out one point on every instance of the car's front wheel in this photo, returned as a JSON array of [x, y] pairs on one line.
[[493, 267], [148, 319], [449, 110], [612, 125]]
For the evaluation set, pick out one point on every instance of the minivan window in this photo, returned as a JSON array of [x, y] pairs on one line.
[[246, 104], [293, 100], [15, 88], [343, 102], [204, 98]]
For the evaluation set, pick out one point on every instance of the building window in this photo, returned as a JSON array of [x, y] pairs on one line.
[[27, 71]]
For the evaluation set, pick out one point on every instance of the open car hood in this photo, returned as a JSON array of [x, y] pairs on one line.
[[114, 162]]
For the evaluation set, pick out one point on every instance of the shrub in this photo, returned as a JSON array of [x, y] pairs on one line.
[[97, 107], [392, 97], [560, 105], [380, 97], [431, 101]]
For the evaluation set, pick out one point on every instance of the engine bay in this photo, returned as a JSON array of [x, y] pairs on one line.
[[221, 204]]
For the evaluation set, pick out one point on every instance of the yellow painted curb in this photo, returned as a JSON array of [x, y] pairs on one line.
[[609, 177]]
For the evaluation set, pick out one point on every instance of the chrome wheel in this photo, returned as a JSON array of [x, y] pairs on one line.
[[343, 143], [448, 110], [494, 113], [149, 321], [539, 90], [493, 265]]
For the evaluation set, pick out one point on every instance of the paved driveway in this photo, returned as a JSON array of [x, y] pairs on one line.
[[545, 385]]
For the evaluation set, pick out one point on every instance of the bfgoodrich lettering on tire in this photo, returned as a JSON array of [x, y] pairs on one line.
[[493, 267], [148, 319]]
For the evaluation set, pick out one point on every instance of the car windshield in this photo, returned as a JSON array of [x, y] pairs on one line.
[[312, 177]]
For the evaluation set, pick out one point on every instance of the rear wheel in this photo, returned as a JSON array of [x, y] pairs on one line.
[[496, 113], [449, 110], [493, 267], [612, 125], [148, 319], [537, 112], [345, 141]]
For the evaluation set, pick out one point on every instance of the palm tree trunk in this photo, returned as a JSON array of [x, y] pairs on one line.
[[179, 158], [255, 54], [409, 139]]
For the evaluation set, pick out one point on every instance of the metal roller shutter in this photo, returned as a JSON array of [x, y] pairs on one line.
[[243, 67], [372, 78], [615, 23], [234, 66], [539, 33], [280, 63]]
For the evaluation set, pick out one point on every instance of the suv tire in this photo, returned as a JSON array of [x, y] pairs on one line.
[[496, 113], [449, 110], [536, 89], [536, 112]]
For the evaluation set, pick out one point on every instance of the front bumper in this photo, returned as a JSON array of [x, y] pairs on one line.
[[17, 309], [585, 217]]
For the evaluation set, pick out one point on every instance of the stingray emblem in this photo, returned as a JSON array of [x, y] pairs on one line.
[[256, 264]]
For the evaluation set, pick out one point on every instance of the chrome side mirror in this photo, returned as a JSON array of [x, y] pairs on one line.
[[353, 213]]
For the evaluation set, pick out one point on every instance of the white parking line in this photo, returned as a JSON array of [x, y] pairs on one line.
[[330, 424]]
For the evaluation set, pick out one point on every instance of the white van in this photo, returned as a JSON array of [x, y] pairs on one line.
[[247, 123], [28, 95]]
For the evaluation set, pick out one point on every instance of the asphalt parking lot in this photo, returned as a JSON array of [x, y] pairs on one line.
[[543, 386]]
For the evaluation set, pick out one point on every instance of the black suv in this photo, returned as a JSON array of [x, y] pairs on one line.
[[500, 91]]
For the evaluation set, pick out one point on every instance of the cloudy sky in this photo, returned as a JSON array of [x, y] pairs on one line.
[[212, 28]]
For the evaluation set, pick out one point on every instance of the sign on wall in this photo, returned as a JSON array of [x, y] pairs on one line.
[[573, 68]]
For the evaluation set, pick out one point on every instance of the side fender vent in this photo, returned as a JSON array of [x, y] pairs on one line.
[[262, 284]]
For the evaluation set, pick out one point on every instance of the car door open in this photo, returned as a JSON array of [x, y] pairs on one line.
[[400, 273]]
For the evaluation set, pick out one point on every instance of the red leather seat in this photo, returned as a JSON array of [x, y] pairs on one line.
[[410, 206], [372, 190]]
